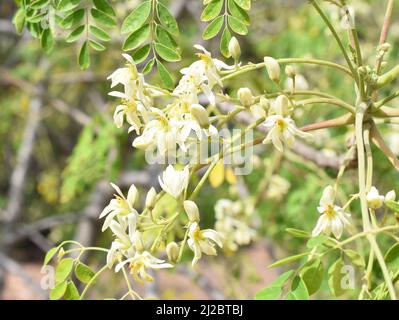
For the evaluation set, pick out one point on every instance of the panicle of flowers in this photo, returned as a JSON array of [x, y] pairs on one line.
[[233, 223]]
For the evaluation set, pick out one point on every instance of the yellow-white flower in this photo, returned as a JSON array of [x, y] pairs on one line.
[[125, 233], [202, 241], [282, 131], [202, 75], [333, 218], [159, 132], [173, 181], [120, 206], [140, 262], [374, 199]]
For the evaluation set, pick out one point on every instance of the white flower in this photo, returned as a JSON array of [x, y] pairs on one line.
[[159, 132], [374, 199], [125, 238], [202, 241], [282, 131], [333, 218], [140, 262], [120, 206], [202, 75], [174, 181]]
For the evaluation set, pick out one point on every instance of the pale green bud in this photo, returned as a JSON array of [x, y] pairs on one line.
[[245, 96], [283, 106], [172, 251], [290, 71], [200, 114], [192, 210], [150, 198], [234, 48], [273, 68]]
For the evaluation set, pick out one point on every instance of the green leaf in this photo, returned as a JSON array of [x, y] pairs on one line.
[[167, 19], [148, 67], [213, 28], [19, 20], [238, 12], [105, 7], [312, 275], [75, 34], [49, 255], [335, 276], [84, 56], [298, 290], [58, 291], [103, 18], [39, 4], [66, 5], [166, 53], [84, 273], [73, 19], [393, 205], [136, 18], [96, 45], [165, 75], [355, 257], [245, 4], [288, 260], [316, 241], [100, 33], [141, 54], [224, 42], [63, 269], [212, 10], [298, 233], [274, 290], [163, 37], [136, 38], [47, 40], [71, 292], [237, 25], [392, 257]]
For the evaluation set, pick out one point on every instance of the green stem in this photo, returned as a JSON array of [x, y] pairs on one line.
[[89, 284]]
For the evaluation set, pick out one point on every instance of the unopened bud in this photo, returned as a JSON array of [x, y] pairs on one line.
[[234, 48], [192, 210], [390, 196], [150, 198], [138, 241], [282, 105], [264, 103], [200, 114], [172, 251], [290, 71], [245, 96], [273, 68]]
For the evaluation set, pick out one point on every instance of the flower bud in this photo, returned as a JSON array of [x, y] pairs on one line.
[[192, 210], [150, 198], [234, 48], [138, 241], [282, 106], [264, 103], [390, 196], [290, 71], [273, 68], [172, 251], [200, 114], [245, 97]]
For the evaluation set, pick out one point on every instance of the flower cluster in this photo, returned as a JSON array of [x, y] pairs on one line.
[[233, 220]]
